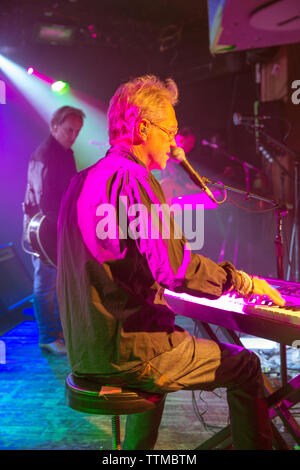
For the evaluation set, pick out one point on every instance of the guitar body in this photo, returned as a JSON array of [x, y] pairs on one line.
[[42, 238]]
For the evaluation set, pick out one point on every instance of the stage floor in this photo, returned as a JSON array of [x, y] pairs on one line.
[[33, 415]]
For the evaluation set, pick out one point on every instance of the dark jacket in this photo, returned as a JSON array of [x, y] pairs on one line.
[[110, 289], [50, 170]]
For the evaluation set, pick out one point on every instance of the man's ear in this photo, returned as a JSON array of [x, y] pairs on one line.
[[53, 128], [142, 130]]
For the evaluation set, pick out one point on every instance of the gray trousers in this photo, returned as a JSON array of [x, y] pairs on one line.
[[45, 301], [200, 364]]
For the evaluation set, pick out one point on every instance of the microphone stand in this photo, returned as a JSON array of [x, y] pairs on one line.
[[281, 211], [246, 166], [295, 232], [295, 229]]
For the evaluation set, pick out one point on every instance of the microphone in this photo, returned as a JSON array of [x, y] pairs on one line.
[[177, 154], [238, 119]]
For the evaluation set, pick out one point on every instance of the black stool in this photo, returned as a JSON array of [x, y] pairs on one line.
[[93, 398]]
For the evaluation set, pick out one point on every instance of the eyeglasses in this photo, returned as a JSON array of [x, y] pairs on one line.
[[171, 134]]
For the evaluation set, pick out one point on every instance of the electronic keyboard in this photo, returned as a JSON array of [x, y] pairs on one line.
[[255, 316]]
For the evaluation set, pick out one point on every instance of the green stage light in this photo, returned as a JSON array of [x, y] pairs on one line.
[[59, 86], [92, 141]]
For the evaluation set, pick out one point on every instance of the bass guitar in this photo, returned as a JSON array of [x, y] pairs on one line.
[[40, 238]]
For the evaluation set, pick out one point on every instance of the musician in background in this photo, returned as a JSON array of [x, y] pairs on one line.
[[50, 170], [118, 327], [174, 181]]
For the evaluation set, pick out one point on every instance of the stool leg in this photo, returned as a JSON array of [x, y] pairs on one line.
[[116, 438]]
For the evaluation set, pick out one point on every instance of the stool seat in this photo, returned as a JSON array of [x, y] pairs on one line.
[[93, 398]]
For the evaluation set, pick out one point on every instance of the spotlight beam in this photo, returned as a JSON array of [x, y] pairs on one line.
[[36, 88]]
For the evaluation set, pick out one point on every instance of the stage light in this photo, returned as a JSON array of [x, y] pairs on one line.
[[34, 90], [30, 70], [55, 34], [37, 89], [59, 86]]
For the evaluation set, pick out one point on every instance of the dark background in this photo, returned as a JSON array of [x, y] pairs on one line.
[[163, 37]]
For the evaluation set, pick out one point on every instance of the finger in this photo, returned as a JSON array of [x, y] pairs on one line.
[[277, 299], [261, 287], [275, 296]]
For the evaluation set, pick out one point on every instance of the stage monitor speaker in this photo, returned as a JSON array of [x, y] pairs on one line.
[[15, 280], [242, 25]]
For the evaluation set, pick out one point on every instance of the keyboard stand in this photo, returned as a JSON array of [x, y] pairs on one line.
[[279, 402]]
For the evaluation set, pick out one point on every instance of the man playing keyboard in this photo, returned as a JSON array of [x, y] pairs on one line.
[[117, 325]]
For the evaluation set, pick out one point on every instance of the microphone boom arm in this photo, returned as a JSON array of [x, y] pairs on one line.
[[178, 156]]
